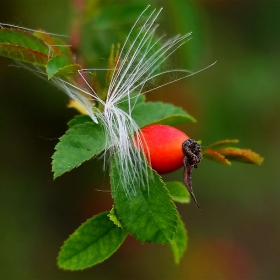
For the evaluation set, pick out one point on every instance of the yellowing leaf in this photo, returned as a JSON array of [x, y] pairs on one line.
[[223, 143], [215, 156], [75, 105], [241, 155]]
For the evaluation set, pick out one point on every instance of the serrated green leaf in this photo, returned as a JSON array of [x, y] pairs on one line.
[[23, 54], [23, 46], [241, 155], [79, 119], [19, 37], [149, 214], [61, 65], [178, 192], [68, 71], [215, 156], [93, 242], [180, 241], [114, 217], [160, 113], [79, 144]]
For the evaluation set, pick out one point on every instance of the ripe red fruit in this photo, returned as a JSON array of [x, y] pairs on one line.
[[163, 146]]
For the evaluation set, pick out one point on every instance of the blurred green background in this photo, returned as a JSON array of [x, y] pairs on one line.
[[236, 236]]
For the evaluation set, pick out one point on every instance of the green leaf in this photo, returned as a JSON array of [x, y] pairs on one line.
[[50, 41], [23, 38], [160, 113], [57, 45], [114, 217], [149, 214], [60, 65], [68, 71], [79, 144], [215, 156], [23, 54], [178, 192], [23, 46], [241, 155], [180, 241], [79, 119], [93, 242]]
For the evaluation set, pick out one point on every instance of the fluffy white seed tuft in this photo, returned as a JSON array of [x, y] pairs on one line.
[[138, 64]]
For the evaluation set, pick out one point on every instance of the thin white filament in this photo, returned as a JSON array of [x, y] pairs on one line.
[[30, 30], [134, 69], [137, 65]]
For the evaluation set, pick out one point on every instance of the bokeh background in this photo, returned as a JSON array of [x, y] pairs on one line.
[[236, 236]]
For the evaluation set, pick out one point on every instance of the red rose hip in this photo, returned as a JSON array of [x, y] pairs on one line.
[[163, 147]]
